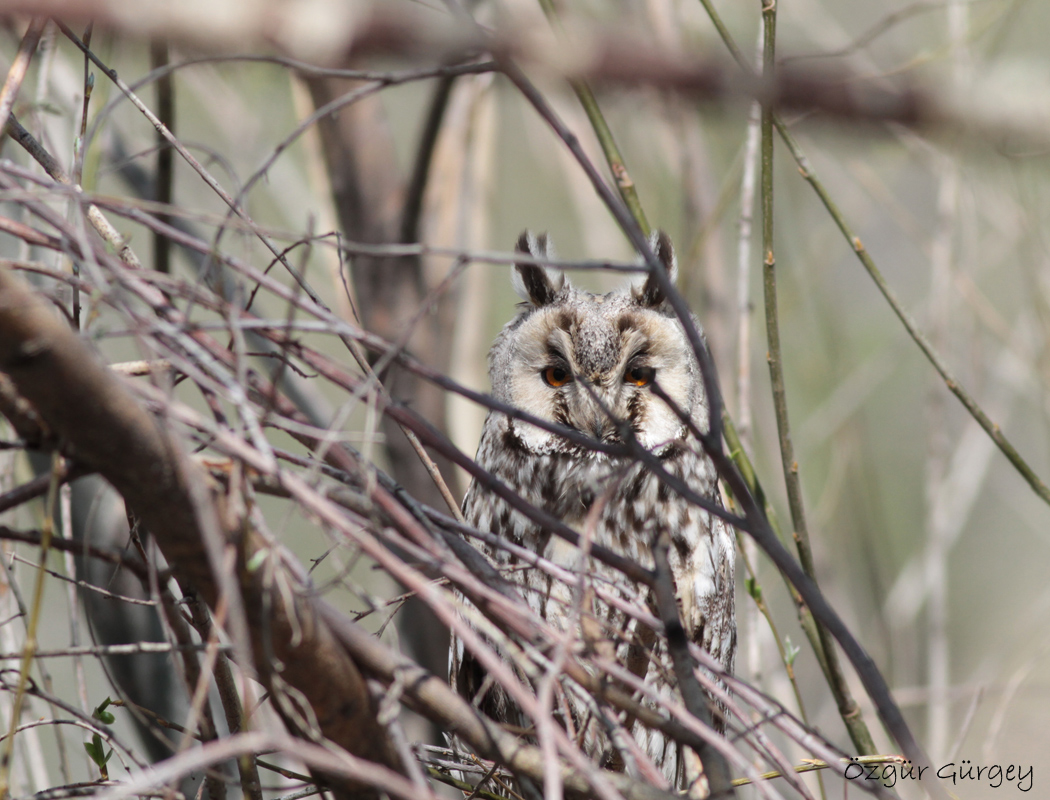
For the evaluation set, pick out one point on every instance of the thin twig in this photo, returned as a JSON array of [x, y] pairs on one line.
[[613, 157], [98, 221], [760, 529], [711, 440], [754, 590], [685, 670], [849, 710], [417, 184], [33, 622], [964, 397], [110, 650], [227, 689], [79, 146], [17, 72], [816, 765], [165, 182]]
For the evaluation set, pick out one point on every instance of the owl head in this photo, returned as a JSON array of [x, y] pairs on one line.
[[589, 361]]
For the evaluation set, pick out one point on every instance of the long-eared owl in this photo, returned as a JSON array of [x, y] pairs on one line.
[[589, 362]]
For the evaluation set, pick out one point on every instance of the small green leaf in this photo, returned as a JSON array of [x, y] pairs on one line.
[[96, 750], [256, 561], [102, 715], [753, 589], [790, 651]]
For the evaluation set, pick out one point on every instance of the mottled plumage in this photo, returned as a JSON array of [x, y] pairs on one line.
[[586, 361]]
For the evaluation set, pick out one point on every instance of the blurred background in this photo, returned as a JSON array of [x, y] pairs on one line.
[[927, 540]]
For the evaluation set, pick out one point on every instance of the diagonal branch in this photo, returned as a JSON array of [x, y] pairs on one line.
[[96, 416], [17, 72]]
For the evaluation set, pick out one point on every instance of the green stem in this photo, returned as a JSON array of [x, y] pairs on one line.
[[816, 765], [787, 659], [989, 427], [613, 157], [847, 705], [47, 530], [742, 462], [463, 786], [754, 589], [917, 336], [624, 185], [747, 472]]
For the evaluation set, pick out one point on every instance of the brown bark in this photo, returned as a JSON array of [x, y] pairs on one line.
[[324, 657], [99, 422]]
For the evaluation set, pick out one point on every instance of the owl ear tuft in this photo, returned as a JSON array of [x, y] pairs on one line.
[[538, 285], [649, 293]]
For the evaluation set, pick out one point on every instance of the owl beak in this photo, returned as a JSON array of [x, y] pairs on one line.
[[599, 427], [592, 414]]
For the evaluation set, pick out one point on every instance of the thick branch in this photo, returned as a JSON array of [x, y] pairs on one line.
[[89, 409]]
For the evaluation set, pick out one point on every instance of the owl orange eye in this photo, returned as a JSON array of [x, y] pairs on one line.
[[556, 376], [640, 376]]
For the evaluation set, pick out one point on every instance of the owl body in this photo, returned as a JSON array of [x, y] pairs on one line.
[[589, 362]]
